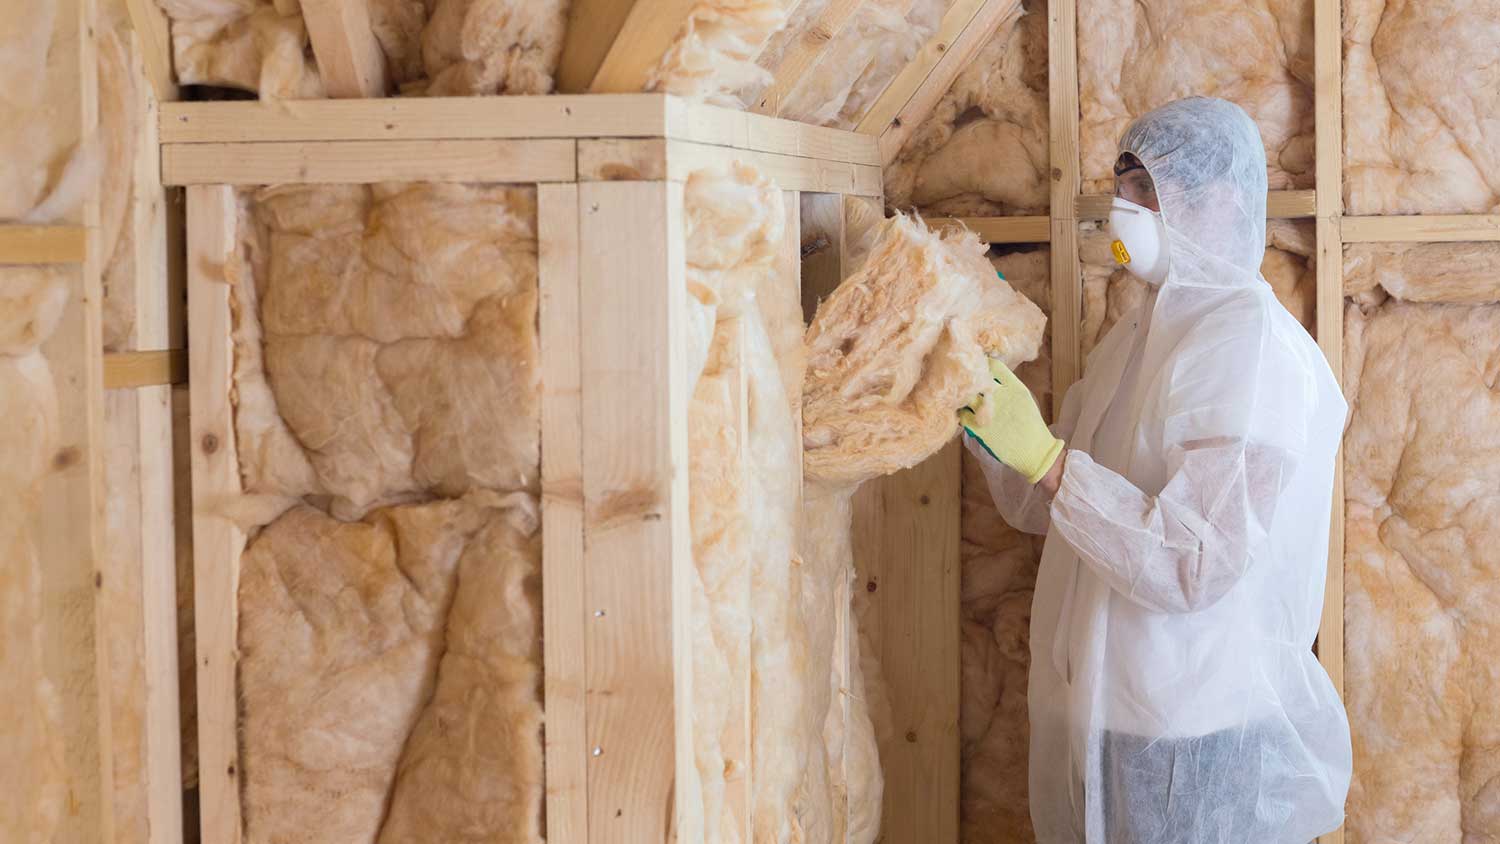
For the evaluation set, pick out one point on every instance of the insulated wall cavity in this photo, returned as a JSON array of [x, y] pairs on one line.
[[386, 395], [1421, 573]]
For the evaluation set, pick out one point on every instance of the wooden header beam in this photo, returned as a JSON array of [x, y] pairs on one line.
[[361, 162], [499, 118], [611, 46]]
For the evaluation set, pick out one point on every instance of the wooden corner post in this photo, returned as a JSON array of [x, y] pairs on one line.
[[637, 551]]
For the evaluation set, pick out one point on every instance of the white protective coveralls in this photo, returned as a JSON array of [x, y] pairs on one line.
[[1174, 695]]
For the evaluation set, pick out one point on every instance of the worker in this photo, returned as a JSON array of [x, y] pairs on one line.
[[1185, 493]]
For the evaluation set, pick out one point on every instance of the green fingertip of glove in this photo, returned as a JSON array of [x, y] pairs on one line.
[[1016, 435]]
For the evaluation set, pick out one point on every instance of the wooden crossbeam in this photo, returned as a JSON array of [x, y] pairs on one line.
[[804, 53], [916, 90], [1000, 229], [363, 162], [1280, 204], [145, 369], [611, 46], [1435, 228], [42, 244], [349, 58]]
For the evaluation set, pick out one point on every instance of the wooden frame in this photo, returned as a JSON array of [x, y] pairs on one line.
[[616, 537]]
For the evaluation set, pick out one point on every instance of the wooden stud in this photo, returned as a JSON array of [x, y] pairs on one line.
[[1328, 49], [42, 244], [362, 162], [563, 611], [637, 554], [612, 46], [919, 87], [1067, 280], [802, 56], [144, 369], [1430, 228], [906, 551], [349, 58], [217, 542]]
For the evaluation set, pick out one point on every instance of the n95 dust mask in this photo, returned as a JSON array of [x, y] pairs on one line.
[[1140, 240]]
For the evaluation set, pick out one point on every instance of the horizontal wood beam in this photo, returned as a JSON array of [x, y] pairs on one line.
[[485, 118], [123, 370], [1421, 229], [611, 46], [1000, 229], [42, 244], [362, 162], [618, 159], [415, 118], [708, 124], [1280, 205]]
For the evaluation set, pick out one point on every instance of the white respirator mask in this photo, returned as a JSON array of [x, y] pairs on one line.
[[1140, 240]]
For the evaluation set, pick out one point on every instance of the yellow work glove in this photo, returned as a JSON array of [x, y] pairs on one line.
[[1006, 421]]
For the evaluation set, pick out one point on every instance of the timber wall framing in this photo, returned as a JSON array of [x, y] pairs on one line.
[[616, 563]]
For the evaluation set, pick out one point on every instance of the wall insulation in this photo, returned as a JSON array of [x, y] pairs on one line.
[[1422, 575], [983, 151], [386, 391], [436, 48], [1419, 132]]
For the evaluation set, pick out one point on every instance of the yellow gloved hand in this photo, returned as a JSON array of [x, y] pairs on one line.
[[1006, 421]]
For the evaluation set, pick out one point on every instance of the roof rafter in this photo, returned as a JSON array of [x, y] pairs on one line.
[[612, 45], [804, 53], [349, 58], [916, 90]]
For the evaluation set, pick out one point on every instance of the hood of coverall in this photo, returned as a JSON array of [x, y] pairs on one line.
[[1208, 162]]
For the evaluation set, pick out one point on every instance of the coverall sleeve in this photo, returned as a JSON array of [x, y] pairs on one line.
[[1235, 423], [1024, 506]]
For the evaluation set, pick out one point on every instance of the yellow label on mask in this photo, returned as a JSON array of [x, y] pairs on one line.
[[1122, 256]]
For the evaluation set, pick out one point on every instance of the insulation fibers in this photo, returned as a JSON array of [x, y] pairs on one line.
[[341, 633], [999, 567], [472, 766], [1421, 569], [900, 346], [984, 149], [1419, 122], [875, 43], [432, 47], [378, 330], [32, 777], [1109, 292], [1452, 273], [713, 56], [45, 168], [1135, 55], [252, 45]]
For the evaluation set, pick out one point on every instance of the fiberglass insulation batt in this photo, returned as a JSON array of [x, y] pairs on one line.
[[1421, 107], [390, 665], [434, 47], [1135, 55], [1422, 541], [983, 150], [897, 349]]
